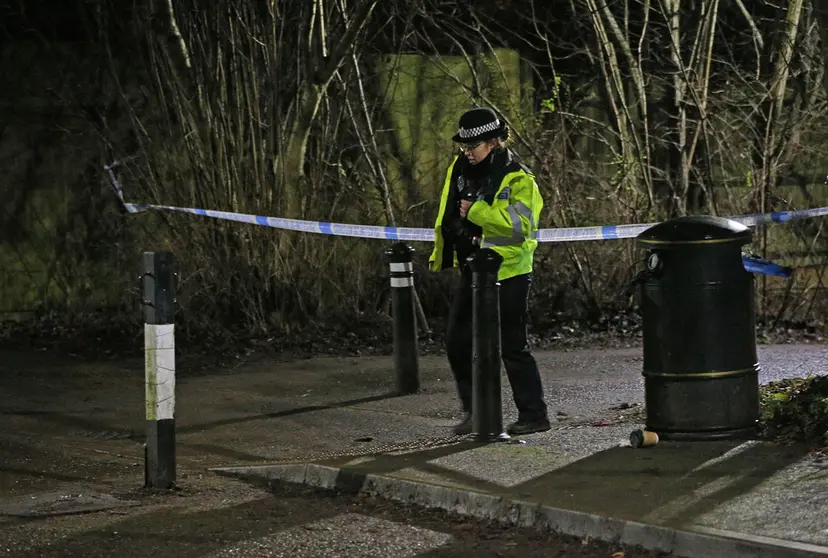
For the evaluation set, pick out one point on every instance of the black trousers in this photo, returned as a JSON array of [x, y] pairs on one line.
[[521, 368]]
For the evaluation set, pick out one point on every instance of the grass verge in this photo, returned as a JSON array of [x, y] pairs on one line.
[[796, 410]]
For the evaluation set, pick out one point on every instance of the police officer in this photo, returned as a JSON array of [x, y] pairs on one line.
[[491, 200]]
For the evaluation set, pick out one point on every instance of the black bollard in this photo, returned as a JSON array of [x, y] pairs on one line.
[[159, 380], [406, 360], [487, 412]]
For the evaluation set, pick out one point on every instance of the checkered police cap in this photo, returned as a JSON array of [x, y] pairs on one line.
[[479, 124]]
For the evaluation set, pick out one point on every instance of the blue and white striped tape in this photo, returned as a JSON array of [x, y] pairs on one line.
[[569, 234]]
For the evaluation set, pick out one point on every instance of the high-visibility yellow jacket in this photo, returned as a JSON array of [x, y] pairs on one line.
[[508, 214]]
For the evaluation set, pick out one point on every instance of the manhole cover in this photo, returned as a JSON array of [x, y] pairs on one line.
[[61, 503]]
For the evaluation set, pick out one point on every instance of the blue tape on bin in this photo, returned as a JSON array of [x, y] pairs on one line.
[[758, 265]]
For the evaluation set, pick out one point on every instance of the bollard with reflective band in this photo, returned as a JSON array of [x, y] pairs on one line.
[[487, 411], [159, 369], [697, 302], [406, 359]]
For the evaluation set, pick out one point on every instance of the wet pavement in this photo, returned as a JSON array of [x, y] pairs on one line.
[[233, 519], [70, 423]]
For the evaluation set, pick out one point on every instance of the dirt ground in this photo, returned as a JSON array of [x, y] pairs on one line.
[[75, 425]]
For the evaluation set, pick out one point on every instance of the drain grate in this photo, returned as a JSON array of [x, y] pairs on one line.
[[366, 449], [111, 435]]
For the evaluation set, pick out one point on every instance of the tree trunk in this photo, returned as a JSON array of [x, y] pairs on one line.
[[291, 158], [821, 11]]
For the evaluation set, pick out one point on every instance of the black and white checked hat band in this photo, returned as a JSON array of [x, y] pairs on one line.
[[466, 133]]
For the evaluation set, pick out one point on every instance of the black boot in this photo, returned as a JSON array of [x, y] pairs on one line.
[[523, 426], [464, 427]]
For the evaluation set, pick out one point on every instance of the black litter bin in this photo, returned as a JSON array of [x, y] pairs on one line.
[[700, 365]]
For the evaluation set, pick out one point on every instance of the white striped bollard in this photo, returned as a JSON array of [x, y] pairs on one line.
[[406, 360], [159, 379]]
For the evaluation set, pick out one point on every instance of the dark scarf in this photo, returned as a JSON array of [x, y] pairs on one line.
[[479, 178], [483, 176], [480, 170]]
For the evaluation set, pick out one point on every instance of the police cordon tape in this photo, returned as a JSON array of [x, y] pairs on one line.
[[570, 234]]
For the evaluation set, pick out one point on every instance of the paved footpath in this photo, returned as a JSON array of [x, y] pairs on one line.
[[330, 423]]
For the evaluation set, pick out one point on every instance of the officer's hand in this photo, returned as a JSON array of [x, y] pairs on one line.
[[464, 207]]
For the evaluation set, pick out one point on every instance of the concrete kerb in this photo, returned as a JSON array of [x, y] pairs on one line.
[[700, 543]]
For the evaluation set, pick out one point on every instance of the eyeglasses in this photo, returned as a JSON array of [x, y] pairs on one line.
[[465, 147]]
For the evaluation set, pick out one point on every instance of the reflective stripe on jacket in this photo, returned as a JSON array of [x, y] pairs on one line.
[[509, 221]]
